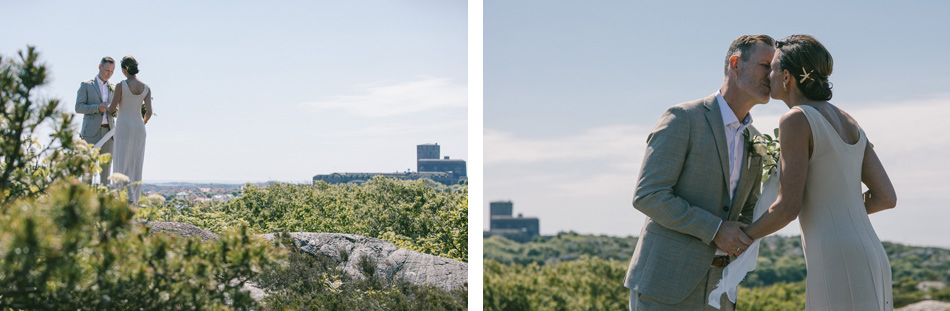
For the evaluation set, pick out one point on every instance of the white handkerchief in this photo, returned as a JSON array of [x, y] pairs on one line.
[[737, 269], [104, 139]]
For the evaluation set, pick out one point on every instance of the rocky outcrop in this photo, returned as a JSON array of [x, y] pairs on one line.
[[927, 305], [389, 261], [386, 259], [182, 229]]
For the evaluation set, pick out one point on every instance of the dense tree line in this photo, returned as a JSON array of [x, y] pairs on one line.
[[555, 272]]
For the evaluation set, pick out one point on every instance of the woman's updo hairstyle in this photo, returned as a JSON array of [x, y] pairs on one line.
[[130, 64], [809, 64]]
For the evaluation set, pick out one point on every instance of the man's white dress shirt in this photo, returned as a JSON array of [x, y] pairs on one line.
[[735, 144]]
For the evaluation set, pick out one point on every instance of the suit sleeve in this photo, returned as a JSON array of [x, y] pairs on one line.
[[82, 102], [667, 147], [748, 210]]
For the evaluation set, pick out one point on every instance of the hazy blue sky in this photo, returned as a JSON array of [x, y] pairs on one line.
[[276, 90], [572, 88]]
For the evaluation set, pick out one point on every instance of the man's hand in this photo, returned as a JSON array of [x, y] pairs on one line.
[[102, 108], [731, 239]]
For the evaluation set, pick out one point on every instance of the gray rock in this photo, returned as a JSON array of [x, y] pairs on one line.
[[256, 292], [391, 262], [182, 229], [927, 305]]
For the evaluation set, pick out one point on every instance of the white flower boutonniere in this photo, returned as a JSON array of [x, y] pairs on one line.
[[111, 87]]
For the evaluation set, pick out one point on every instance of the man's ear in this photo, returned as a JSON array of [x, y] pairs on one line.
[[734, 62]]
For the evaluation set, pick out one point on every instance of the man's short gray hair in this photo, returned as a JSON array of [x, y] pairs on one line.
[[743, 46]]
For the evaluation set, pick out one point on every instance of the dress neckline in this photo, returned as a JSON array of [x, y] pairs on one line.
[[832, 128], [144, 87]]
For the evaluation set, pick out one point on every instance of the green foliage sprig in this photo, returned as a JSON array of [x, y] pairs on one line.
[[770, 150]]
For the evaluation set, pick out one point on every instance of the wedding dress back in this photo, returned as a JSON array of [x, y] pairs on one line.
[[847, 266], [129, 148]]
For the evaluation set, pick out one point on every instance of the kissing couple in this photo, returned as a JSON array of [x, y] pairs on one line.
[[114, 121], [700, 183]]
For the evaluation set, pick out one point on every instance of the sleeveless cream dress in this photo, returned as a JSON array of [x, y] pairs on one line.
[[129, 148], [847, 266]]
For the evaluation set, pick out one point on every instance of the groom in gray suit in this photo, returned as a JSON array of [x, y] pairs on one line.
[[92, 100], [698, 186]]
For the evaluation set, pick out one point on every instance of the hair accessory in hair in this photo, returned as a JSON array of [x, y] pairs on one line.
[[806, 75]]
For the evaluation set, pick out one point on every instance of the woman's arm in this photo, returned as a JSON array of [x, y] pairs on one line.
[[148, 106], [116, 99], [880, 195], [795, 135]]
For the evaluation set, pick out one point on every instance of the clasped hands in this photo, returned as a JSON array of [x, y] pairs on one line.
[[731, 239]]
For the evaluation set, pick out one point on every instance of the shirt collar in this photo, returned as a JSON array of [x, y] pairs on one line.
[[99, 81], [728, 116]]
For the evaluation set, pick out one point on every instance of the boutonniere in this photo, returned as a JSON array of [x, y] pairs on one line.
[[111, 87], [769, 149]]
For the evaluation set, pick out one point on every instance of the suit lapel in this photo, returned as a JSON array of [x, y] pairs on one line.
[[95, 86], [751, 173], [714, 118]]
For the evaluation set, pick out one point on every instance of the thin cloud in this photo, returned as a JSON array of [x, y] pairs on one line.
[[599, 161], [399, 129], [613, 143], [380, 100]]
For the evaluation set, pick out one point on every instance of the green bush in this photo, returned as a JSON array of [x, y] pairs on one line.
[[588, 283], [591, 283], [409, 214], [777, 297], [76, 248]]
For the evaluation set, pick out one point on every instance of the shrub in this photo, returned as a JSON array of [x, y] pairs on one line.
[[78, 249], [409, 214]]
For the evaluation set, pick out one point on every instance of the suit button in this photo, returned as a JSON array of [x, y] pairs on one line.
[[725, 208]]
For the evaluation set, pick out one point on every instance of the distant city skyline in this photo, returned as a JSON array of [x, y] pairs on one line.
[[573, 88], [267, 91]]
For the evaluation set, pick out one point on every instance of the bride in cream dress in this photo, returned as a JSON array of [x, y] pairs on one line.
[[129, 149], [825, 158]]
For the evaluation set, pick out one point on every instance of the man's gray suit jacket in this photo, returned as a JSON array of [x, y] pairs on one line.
[[682, 188], [88, 99]]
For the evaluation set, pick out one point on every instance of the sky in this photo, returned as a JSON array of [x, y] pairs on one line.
[[267, 91], [572, 88]]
